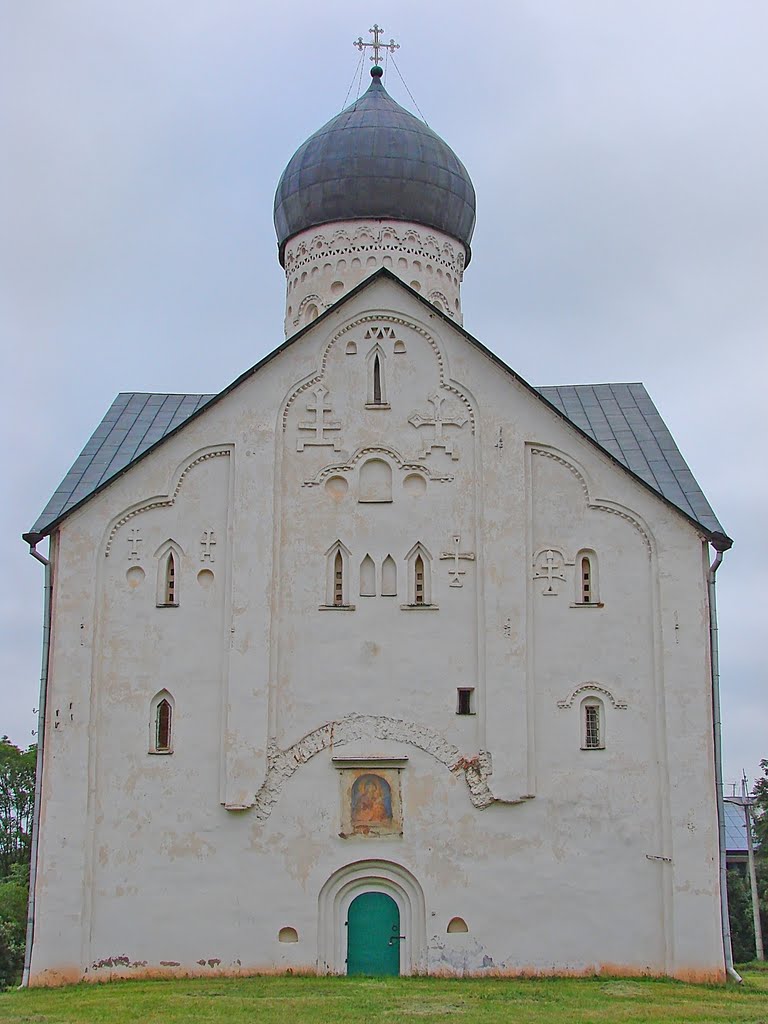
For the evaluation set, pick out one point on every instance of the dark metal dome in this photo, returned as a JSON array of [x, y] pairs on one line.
[[375, 159]]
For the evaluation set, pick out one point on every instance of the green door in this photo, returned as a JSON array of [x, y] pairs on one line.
[[373, 935]]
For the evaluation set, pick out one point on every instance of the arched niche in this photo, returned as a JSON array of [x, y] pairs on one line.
[[375, 481], [457, 925]]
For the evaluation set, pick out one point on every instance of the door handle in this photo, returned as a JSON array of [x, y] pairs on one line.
[[394, 939]]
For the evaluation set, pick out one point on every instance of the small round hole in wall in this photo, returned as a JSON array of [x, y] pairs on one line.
[[289, 935], [415, 485], [205, 578], [336, 487], [457, 924], [135, 576]]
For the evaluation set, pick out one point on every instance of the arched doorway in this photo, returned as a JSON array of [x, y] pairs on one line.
[[373, 935], [371, 878]]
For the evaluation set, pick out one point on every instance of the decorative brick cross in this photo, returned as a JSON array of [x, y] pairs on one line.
[[455, 571], [319, 426], [439, 439], [207, 544], [134, 539], [551, 572]]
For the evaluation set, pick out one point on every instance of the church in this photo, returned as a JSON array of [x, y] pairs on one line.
[[381, 660]]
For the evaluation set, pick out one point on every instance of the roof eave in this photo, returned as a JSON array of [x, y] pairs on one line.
[[719, 540]]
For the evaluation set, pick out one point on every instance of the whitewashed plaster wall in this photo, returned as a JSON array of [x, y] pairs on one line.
[[557, 857]]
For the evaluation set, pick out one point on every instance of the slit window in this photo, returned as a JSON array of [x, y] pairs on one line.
[[464, 701], [163, 717], [376, 380], [170, 579], [161, 723], [338, 580], [418, 569], [586, 581]]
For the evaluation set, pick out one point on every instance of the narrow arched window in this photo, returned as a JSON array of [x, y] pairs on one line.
[[377, 385], [161, 723], [337, 577], [170, 580], [587, 589], [419, 562], [586, 581], [592, 724], [338, 580], [418, 568], [163, 717]]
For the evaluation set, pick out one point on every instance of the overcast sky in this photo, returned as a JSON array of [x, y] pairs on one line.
[[620, 156]]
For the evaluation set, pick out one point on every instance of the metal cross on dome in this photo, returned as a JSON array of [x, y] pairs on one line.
[[376, 45]]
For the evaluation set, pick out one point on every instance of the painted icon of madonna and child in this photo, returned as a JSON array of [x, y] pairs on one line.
[[371, 799]]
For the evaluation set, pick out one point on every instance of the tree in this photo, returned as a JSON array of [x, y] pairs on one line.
[[760, 810], [760, 820], [740, 916], [17, 798]]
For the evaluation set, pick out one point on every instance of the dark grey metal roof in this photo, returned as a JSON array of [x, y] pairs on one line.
[[621, 418], [375, 159], [625, 422], [133, 424]]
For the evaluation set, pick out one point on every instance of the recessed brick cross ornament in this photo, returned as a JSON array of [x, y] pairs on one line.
[[439, 438], [550, 571], [455, 571], [319, 426]]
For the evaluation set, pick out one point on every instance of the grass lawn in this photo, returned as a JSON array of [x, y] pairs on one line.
[[301, 1000]]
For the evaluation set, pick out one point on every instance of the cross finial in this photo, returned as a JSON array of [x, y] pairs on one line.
[[377, 46]]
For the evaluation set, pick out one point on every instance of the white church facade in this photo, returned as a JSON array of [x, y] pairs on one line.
[[381, 660]]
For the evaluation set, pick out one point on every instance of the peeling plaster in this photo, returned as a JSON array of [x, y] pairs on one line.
[[281, 764]]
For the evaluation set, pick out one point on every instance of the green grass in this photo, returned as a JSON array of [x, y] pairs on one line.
[[304, 1000]]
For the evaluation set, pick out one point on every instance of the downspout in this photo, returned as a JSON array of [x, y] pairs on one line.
[[39, 763], [720, 544]]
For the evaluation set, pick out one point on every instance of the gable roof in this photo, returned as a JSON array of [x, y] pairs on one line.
[[620, 419]]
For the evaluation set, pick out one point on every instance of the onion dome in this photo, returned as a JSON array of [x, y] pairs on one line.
[[375, 160]]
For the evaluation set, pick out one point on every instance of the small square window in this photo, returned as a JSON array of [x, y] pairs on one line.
[[465, 701]]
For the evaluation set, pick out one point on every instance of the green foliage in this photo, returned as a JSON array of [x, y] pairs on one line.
[[14, 892], [740, 916], [760, 811], [17, 797]]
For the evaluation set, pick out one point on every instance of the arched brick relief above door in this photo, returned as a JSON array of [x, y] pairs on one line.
[[282, 764]]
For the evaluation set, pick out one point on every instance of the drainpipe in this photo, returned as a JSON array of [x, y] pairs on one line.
[[47, 592], [721, 544]]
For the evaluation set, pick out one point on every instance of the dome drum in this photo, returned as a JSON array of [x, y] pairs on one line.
[[323, 264]]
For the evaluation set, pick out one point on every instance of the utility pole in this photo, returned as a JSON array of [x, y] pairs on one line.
[[752, 874], [745, 801]]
